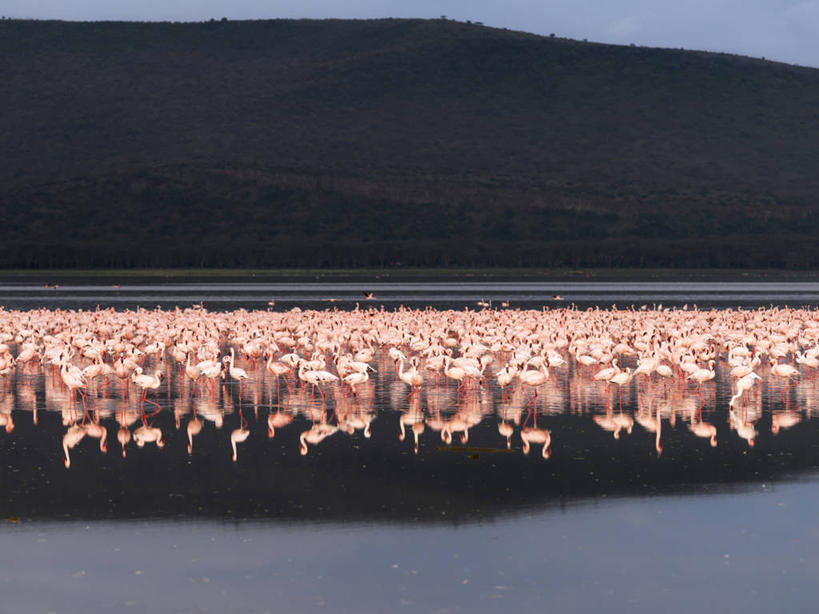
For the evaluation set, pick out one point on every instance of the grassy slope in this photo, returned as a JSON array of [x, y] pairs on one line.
[[351, 143]]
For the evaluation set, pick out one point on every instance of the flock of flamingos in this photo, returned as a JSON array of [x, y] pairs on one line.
[[108, 371]]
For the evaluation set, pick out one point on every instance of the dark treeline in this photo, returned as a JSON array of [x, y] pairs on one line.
[[732, 252], [396, 143]]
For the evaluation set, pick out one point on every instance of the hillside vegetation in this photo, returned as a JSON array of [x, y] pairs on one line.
[[386, 142]]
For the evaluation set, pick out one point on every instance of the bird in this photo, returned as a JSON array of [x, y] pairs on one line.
[[744, 383], [192, 372], [73, 378], [621, 379], [210, 370], [534, 378], [147, 382], [411, 377], [783, 369], [703, 375], [355, 379], [607, 373], [454, 373], [277, 369], [240, 375], [316, 377]]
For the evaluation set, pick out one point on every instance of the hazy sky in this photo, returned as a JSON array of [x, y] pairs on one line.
[[784, 30]]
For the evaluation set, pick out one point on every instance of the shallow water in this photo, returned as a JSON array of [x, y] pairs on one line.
[[87, 294], [748, 552], [639, 522]]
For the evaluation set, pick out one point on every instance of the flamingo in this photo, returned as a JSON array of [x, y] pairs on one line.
[[605, 374], [356, 379], [534, 378], [621, 379], [744, 383], [703, 375], [316, 377], [456, 374], [235, 372], [412, 377], [277, 369], [147, 382], [192, 372], [73, 379]]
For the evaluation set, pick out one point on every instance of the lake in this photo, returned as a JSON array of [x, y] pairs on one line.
[[634, 506]]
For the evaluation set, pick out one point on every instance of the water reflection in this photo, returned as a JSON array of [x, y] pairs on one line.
[[650, 555], [584, 403]]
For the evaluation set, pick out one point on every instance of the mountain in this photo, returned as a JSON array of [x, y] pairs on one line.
[[396, 142]]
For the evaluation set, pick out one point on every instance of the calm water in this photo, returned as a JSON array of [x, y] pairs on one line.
[[372, 524], [85, 294]]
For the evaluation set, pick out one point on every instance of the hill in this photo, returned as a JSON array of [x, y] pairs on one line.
[[414, 142]]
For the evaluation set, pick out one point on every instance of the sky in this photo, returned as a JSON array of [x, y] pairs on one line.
[[781, 30]]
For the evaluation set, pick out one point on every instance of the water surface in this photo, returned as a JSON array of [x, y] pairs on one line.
[[644, 521]]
